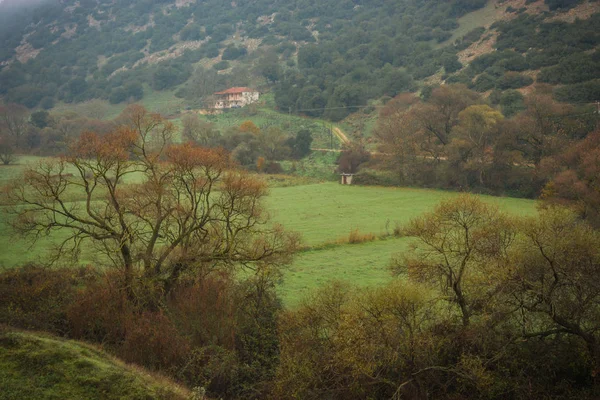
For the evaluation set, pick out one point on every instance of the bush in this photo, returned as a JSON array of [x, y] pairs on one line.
[[47, 103], [377, 178], [100, 311], [484, 82], [233, 53], [513, 80], [34, 297], [152, 340], [221, 65], [356, 237], [579, 92], [273, 167]]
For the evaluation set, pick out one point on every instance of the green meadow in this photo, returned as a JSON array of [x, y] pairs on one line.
[[323, 213], [326, 213]]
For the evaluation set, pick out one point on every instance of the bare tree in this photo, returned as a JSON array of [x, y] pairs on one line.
[[13, 118], [7, 150], [191, 212]]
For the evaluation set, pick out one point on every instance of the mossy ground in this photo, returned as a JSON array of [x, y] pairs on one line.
[[39, 366]]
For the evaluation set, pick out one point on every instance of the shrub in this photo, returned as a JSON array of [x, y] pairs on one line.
[[579, 92], [204, 311], [273, 167], [484, 82], [35, 297], [152, 340], [100, 312], [513, 80], [356, 237], [233, 53], [221, 65]]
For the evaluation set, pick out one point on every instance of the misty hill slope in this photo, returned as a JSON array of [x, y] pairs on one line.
[[321, 58], [42, 366]]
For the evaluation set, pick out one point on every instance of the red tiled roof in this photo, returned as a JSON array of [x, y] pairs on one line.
[[236, 90]]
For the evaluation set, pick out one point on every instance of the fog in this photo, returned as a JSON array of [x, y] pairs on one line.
[[6, 5]]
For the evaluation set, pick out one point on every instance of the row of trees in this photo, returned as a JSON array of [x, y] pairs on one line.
[[45, 133], [248, 143], [453, 138], [50, 134]]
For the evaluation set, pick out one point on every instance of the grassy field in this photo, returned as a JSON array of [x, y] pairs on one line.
[[363, 264], [39, 366], [327, 211], [323, 213]]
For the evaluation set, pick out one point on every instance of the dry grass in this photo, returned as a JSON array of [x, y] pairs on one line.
[[356, 236]]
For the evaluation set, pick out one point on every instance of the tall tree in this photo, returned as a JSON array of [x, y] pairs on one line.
[[542, 124], [13, 118], [576, 178], [458, 245], [554, 279], [475, 136], [7, 149], [201, 132], [173, 222]]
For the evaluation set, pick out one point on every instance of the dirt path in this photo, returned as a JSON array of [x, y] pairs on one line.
[[340, 135]]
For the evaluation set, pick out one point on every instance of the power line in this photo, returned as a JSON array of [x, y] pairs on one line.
[[383, 106]]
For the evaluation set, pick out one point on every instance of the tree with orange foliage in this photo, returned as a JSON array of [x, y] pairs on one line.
[[576, 178], [249, 126], [154, 210], [543, 127], [260, 164]]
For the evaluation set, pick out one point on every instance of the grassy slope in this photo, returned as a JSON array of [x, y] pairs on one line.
[[364, 264], [483, 17], [36, 366]]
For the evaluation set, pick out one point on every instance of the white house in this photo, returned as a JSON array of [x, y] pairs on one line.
[[236, 97]]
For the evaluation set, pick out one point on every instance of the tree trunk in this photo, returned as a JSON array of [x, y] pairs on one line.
[[462, 303], [128, 273]]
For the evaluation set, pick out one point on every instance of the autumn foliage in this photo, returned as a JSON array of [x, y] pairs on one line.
[[457, 139], [576, 179], [190, 211]]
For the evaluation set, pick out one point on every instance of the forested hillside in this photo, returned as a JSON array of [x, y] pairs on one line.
[[321, 58]]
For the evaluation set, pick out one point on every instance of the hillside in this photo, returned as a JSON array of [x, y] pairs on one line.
[[514, 44], [320, 58], [42, 366]]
